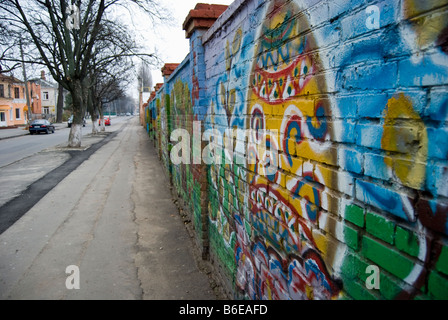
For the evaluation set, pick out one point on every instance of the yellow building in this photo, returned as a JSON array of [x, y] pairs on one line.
[[13, 109]]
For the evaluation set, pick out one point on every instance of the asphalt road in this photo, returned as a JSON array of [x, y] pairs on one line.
[[34, 164], [28, 159], [15, 149]]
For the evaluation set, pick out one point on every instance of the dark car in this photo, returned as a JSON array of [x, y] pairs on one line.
[[43, 125], [70, 121]]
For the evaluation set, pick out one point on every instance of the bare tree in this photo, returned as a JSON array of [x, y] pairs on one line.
[[111, 67], [145, 82], [7, 45], [65, 33]]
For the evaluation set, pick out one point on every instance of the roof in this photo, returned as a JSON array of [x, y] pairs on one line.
[[5, 78], [44, 83]]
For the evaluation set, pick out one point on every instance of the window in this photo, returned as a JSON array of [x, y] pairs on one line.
[[17, 93], [17, 113], [2, 91], [2, 117], [46, 110], [45, 95]]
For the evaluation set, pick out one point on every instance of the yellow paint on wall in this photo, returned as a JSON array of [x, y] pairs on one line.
[[427, 28], [408, 166]]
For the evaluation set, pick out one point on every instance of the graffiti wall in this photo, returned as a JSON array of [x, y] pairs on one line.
[[185, 175], [332, 174], [174, 107]]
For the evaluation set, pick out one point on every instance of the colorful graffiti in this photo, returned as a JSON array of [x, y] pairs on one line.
[[401, 150], [228, 190], [278, 223], [285, 199], [357, 118], [289, 225]]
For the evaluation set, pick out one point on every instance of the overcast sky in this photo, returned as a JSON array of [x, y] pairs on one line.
[[170, 41], [167, 40]]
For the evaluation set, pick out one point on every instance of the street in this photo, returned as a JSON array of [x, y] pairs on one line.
[[27, 158], [112, 218], [17, 148]]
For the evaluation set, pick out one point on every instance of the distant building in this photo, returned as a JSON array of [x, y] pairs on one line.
[[35, 100], [48, 96], [13, 109]]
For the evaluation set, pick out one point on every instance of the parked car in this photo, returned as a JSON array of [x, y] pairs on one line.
[[106, 121], [42, 125], [70, 121]]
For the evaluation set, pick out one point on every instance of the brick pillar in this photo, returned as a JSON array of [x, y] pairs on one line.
[[158, 119], [152, 126], [202, 17], [198, 21], [168, 69]]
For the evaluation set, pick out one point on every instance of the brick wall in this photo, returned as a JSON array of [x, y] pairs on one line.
[[348, 197]]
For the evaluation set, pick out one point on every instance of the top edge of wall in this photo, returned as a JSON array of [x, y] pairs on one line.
[[180, 67], [223, 18]]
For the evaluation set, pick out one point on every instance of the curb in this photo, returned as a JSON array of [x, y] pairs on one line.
[[26, 132]]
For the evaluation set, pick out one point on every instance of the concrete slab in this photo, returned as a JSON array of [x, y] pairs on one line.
[[113, 218]]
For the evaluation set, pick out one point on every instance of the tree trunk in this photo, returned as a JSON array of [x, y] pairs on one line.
[[94, 113], [60, 104], [92, 109], [102, 126], [94, 127], [75, 136]]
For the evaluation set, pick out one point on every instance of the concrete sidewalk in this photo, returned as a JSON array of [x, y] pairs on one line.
[[114, 219]]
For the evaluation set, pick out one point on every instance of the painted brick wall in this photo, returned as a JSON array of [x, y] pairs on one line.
[[174, 108], [355, 96]]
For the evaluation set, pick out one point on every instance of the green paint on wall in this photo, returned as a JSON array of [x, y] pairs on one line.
[[223, 250], [387, 258], [442, 263], [407, 241], [355, 215], [380, 227], [351, 237], [358, 291], [438, 285]]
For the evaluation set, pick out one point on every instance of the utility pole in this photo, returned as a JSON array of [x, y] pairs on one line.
[[27, 94]]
